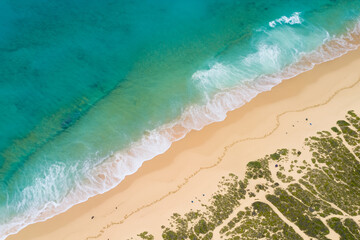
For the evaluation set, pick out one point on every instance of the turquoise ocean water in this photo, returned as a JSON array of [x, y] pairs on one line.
[[91, 89]]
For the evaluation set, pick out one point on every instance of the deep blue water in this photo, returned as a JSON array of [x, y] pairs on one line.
[[81, 81]]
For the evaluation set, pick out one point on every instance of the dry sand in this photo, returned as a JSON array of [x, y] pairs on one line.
[[193, 166]]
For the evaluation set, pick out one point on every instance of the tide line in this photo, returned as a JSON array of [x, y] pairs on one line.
[[219, 160]]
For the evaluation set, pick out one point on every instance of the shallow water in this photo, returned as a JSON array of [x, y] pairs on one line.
[[93, 88]]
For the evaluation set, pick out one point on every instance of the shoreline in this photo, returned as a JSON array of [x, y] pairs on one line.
[[165, 173], [127, 161]]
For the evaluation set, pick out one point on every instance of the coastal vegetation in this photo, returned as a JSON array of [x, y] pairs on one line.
[[288, 194]]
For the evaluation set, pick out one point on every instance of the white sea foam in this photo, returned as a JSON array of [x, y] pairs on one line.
[[293, 19], [115, 168]]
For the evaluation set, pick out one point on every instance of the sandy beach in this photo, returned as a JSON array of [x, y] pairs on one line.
[[190, 170]]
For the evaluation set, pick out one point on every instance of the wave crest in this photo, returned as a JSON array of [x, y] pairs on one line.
[[293, 19]]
